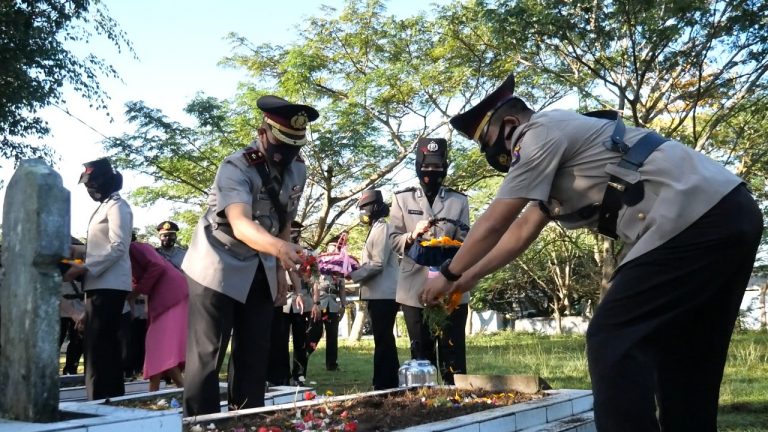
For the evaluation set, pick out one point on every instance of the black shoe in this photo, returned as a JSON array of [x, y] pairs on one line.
[[333, 368]]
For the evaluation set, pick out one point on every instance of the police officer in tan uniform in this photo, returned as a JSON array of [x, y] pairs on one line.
[[298, 310], [377, 277], [107, 273], [237, 259], [660, 336], [412, 210], [166, 232], [329, 298]]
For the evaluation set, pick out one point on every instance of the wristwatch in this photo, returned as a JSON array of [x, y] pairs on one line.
[[451, 277], [317, 303]]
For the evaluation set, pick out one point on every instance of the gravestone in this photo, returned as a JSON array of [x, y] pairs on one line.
[[35, 238]]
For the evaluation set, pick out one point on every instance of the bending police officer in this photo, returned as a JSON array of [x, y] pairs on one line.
[[690, 228]]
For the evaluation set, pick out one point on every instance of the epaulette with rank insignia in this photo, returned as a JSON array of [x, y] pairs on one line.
[[253, 156], [408, 189], [299, 158]]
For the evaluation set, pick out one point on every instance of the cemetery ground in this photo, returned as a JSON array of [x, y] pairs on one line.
[[561, 361]]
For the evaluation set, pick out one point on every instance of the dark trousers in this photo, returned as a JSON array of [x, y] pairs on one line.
[[329, 320], [279, 369], [659, 339], [298, 324], [103, 350], [451, 345], [385, 362], [74, 347], [213, 318], [125, 344], [136, 347]]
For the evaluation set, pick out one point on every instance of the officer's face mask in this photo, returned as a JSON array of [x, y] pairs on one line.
[[100, 189], [167, 240], [497, 154], [431, 177], [282, 154], [365, 215]]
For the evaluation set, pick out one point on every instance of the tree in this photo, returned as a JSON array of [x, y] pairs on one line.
[[686, 68], [36, 64], [380, 82]]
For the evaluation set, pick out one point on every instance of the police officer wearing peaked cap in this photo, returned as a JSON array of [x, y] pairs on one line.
[[238, 255], [377, 277], [412, 210], [166, 231], [690, 228]]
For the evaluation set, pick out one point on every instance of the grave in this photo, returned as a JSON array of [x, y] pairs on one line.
[[35, 238], [559, 411]]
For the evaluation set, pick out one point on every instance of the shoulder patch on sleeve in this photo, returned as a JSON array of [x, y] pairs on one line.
[[253, 156]]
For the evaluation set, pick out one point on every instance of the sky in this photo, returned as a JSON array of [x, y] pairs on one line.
[[178, 45]]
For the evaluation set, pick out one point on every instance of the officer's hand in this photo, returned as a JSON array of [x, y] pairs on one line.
[[290, 255], [300, 303], [316, 313], [421, 227], [74, 272], [434, 289], [282, 289]]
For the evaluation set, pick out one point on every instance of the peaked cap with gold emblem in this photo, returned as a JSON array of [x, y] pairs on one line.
[[288, 120], [167, 226], [473, 123]]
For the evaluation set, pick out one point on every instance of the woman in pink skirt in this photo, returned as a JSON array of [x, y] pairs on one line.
[[167, 299]]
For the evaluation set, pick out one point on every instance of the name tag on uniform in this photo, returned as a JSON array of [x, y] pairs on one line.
[[416, 212]]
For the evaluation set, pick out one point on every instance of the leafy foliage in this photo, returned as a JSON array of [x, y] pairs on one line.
[[36, 65], [557, 275]]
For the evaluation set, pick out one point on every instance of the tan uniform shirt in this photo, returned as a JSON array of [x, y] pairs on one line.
[[565, 161], [409, 206], [106, 252], [329, 293], [379, 267], [221, 262], [175, 255]]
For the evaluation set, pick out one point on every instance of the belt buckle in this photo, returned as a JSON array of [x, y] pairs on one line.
[[616, 185]]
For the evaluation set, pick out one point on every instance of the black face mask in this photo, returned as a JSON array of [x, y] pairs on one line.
[[430, 180], [282, 154], [497, 154], [373, 212], [100, 189], [167, 241]]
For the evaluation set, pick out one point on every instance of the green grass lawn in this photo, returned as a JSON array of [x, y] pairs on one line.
[[561, 361]]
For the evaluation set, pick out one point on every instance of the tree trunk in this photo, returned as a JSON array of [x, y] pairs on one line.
[[609, 265], [361, 315], [468, 325], [762, 313]]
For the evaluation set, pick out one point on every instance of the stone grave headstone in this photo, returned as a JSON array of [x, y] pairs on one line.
[[35, 236]]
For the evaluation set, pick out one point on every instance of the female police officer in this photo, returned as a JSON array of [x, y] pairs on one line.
[[231, 263], [661, 334]]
